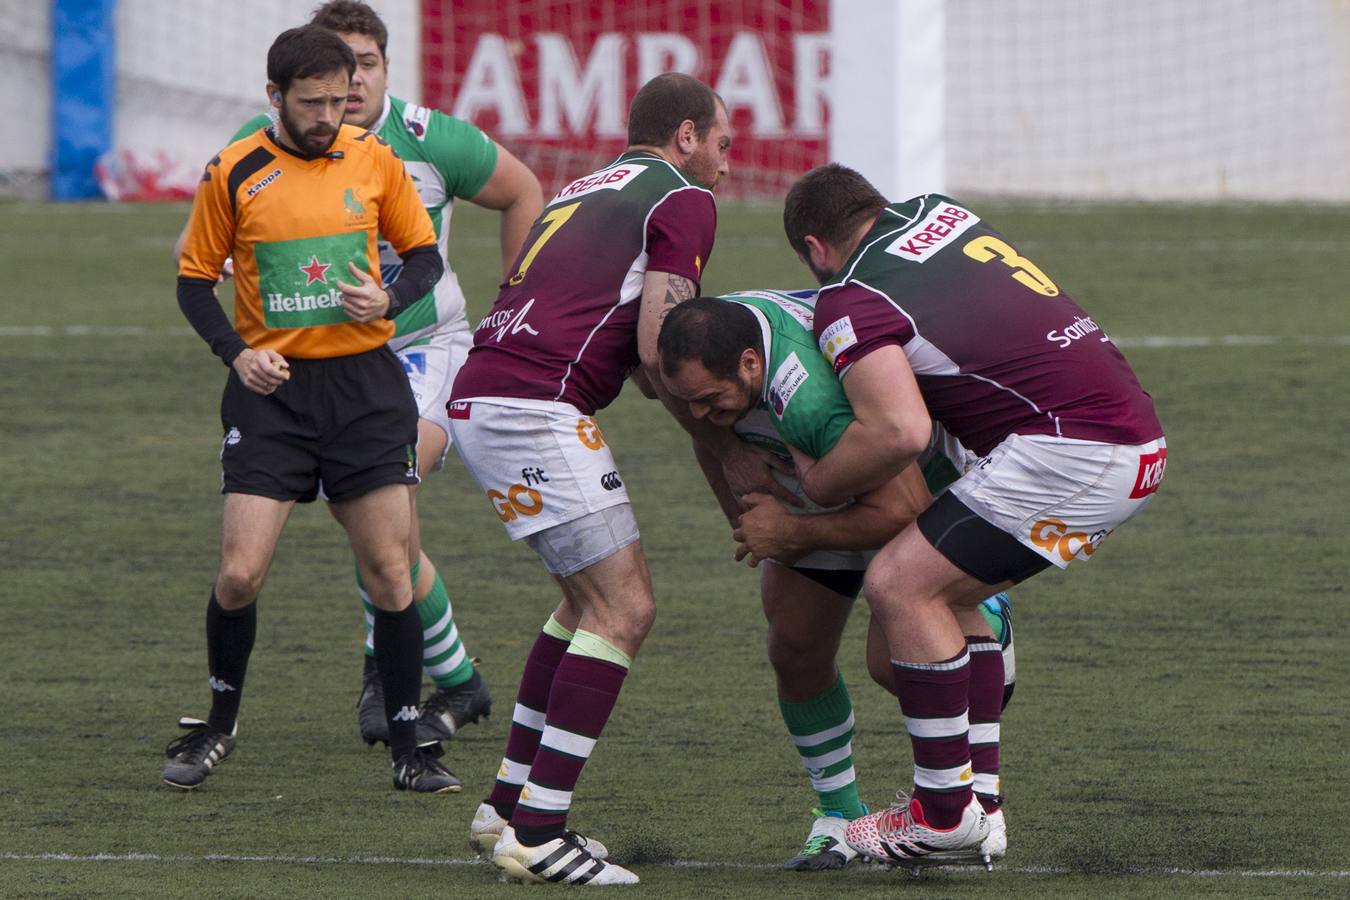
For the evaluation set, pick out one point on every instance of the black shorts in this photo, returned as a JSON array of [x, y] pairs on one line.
[[975, 546], [844, 582], [348, 423]]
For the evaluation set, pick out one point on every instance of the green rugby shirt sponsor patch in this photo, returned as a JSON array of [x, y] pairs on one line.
[[297, 279]]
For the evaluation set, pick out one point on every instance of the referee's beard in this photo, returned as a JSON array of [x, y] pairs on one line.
[[314, 142]]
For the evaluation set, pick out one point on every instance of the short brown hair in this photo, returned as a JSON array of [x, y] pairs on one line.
[[666, 101], [829, 202], [352, 17], [307, 52]]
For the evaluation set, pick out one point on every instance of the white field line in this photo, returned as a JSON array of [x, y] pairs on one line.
[[1146, 342], [1130, 871]]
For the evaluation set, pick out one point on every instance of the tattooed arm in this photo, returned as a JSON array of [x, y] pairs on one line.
[[661, 292]]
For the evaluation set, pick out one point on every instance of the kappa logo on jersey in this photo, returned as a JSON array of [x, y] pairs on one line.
[[315, 271], [615, 179], [937, 230], [518, 500], [267, 179], [232, 436], [835, 339], [588, 432], [1055, 536], [791, 375], [1151, 469]]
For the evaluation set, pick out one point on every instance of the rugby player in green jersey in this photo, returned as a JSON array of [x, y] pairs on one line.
[[448, 159], [749, 361]]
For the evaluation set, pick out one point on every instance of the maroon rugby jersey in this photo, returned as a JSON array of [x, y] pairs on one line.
[[564, 326], [995, 345]]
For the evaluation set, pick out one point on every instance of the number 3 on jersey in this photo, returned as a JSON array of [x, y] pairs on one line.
[[987, 247], [553, 220]]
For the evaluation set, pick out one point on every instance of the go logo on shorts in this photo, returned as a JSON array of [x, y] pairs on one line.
[[518, 500], [588, 432], [1054, 536]]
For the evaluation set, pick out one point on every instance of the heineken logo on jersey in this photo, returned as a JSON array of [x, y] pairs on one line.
[[791, 375], [835, 339], [940, 228], [296, 279], [315, 271]]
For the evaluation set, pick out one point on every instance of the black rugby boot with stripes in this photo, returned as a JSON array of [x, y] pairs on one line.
[[565, 860], [420, 771], [193, 755], [448, 710]]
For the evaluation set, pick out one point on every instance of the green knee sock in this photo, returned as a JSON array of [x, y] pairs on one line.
[[822, 730], [443, 654]]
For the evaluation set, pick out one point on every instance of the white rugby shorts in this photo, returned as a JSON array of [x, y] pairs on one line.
[[540, 463], [1059, 497], [431, 365]]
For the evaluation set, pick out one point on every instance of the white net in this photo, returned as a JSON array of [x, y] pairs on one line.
[[1151, 99], [25, 108], [1206, 99]]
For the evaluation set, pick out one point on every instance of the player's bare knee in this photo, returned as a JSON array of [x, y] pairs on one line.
[[635, 619], [237, 586]]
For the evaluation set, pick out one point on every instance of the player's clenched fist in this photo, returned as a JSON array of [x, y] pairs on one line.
[[262, 371], [364, 301]]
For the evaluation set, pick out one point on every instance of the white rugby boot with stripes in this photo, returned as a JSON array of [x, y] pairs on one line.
[[565, 860], [487, 827], [901, 836], [995, 846]]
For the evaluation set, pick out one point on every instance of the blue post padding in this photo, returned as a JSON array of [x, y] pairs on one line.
[[84, 93]]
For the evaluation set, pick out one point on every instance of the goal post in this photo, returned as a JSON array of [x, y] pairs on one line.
[[888, 118]]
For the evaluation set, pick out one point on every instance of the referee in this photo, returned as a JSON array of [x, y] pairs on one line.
[[314, 400]]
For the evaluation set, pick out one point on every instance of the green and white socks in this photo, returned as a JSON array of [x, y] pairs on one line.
[[443, 654], [822, 730]]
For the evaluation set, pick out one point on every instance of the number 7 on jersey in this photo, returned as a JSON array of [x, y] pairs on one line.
[[553, 220]]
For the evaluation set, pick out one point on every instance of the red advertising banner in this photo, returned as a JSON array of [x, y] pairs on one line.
[[552, 79]]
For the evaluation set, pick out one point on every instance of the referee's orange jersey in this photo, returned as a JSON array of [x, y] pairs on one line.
[[292, 225]]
